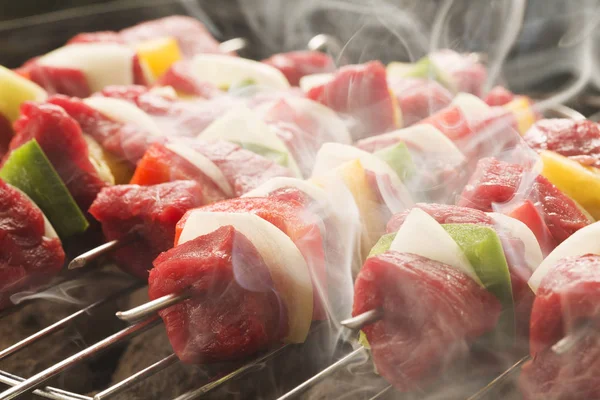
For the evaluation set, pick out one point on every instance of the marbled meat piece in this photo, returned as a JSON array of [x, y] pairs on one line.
[[568, 296], [431, 313], [62, 141], [28, 257], [497, 181], [578, 140], [150, 213], [297, 64], [234, 311]]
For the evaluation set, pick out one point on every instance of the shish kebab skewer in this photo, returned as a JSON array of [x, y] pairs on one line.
[[570, 340], [564, 272], [159, 304], [81, 260]]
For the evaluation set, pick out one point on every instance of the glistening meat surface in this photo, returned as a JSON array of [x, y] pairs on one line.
[[578, 140], [150, 213], [292, 218], [234, 310], [497, 181], [61, 138], [27, 257], [431, 313], [514, 252], [568, 295]]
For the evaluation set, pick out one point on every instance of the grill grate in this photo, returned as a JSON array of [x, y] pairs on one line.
[[144, 318]]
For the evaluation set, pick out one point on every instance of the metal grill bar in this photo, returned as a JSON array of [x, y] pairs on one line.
[[193, 394], [324, 373], [501, 378], [137, 377], [382, 393], [48, 373], [59, 325], [48, 392]]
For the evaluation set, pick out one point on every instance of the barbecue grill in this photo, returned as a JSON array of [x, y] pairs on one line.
[[105, 357]]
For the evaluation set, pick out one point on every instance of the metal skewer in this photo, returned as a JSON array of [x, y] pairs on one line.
[[382, 393], [59, 325], [83, 259], [69, 362], [324, 374], [151, 307], [235, 44], [353, 323], [363, 319], [48, 392], [568, 342]]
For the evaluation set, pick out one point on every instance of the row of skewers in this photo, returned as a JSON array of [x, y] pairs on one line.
[[234, 188]]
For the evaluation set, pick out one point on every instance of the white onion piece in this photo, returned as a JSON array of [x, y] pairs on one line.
[[517, 229], [308, 82], [428, 139], [421, 234], [225, 71], [332, 155], [471, 106], [286, 264], [584, 241], [242, 125], [103, 64], [49, 231], [124, 112], [204, 164]]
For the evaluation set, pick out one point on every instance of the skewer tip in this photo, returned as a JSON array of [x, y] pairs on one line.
[[77, 262], [363, 319]]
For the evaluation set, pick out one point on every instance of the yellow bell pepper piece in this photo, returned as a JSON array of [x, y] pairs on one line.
[[521, 108], [159, 54], [14, 90], [580, 183]]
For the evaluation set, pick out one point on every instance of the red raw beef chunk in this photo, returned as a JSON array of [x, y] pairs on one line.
[[181, 78], [497, 181], [61, 138], [149, 213], [27, 257], [296, 64], [295, 221], [578, 140], [362, 93], [243, 169], [568, 296], [431, 313], [97, 37], [499, 96], [514, 252], [174, 117], [234, 310], [161, 165], [419, 98], [466, 73], [127, 142]]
